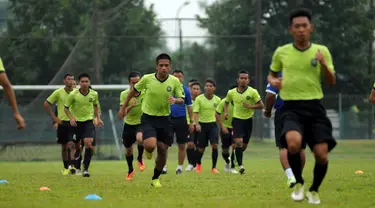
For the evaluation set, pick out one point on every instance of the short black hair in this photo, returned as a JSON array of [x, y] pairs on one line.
[[134, 74], [68, 75], [193, 80], [195, 83], [177, 71], [300, 12], [83, 75], [163, 56], [243, 72], [210, 81]]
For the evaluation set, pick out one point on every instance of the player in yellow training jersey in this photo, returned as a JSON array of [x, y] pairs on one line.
[[195, 90], [132, 131], [245, 101], [303, 115], [159, 87], [64, 130], [204, 109], [8, 90], [81, 106]]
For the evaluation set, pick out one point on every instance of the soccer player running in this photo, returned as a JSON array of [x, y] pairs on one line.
[[160, 87], [303, 116], [245, 100], [64, 130], [273, 100], [132, 126], [179, 123], [204, 109], [8, 90], [226, 135], [195, 90], [81, 106]]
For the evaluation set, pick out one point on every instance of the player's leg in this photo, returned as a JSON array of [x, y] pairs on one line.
[[139, 138], [149, 135], [182, 132], [321, 143], [190, 150], [88, 139], [62, 139], [225, 144], [202, 143], [128, 139], [291, 138], [238, 134], [248, 130], [213, 137]]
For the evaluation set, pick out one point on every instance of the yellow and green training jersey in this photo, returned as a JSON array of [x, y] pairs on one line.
[[206, 108], [82, 106], [301, 71], [156, 93], [250, 96], [220, 110], [59, 98], [187, 114], [2, 69], [133, 117]]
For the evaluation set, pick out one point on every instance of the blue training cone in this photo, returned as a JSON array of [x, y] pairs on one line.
[[93, 197], [3, 181]]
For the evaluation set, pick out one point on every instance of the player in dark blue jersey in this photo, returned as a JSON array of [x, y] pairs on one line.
[[274, 101], [180, 124]]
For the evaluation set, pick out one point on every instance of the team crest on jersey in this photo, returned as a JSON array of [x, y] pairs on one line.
[[314, 62], [169, 88], [215, 105], [90, 100], [247, 97]]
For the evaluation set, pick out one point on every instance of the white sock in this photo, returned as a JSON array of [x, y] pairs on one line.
[[165, 168], [179, 167], [289, 173]]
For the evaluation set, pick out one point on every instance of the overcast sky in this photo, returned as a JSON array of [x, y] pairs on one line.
[[168, 9]]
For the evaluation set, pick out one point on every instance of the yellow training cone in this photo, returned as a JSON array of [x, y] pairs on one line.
[[359, 172]]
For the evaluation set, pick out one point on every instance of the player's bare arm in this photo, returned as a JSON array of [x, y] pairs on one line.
[[221, 124], [197, 125], [191, 124], [121, 113], [270, 101], [258, 105], [172, 100], [330, 77], [97, 114], [372, 96], [48, 108], [71, 117], [226, 106], [274, 80], [8, 90]]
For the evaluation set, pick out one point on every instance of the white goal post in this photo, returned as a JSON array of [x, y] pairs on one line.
[[118, 87]]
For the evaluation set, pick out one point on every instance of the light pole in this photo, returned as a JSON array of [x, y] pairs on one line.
[[180, 31]]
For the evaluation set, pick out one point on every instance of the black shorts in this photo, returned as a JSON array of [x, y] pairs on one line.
[[242, 129], [129, 134], [159, 127], [279, 129], [64, 132], [181, 129], [227, 139], [193, 137], [209, 132], [308, 118], [85, 129]]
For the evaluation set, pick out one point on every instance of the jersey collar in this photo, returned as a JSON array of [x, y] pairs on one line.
[[88, 92], [243, 91], [294, 46], [161, 80]]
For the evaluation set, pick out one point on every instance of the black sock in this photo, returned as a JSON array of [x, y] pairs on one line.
[[199, 156], [66, 164], [295, 164], [214, 156], [157, 173], [239, 155], [225, 157], [87, 160], [320, 171], [129, 160], [194, 157], [189, 154], [140, 153], [232, 159], [77, 159]]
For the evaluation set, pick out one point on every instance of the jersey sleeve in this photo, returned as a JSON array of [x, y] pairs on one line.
[[276, 64], [196, 106], [229, 97], [52, 99], [271, 89], [220, 107], [328, 58], [373, 86], [255, 96], [96, 100], [123, 96], [142, 84], [2, 69], [188, 100], [69, 101], [179, 90]]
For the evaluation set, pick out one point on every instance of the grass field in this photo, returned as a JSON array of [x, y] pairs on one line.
[[263, 185]]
